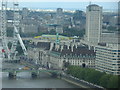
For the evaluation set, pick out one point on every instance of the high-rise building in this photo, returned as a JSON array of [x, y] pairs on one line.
[[93, 23], [119, 14], [59, 16], [25, 13], [59, 20], [59, 11]]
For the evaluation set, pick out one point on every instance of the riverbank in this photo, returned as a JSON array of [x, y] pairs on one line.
[[79, 83], [70, 80], [24, 80]]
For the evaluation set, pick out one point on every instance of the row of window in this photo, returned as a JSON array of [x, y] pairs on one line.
[[106, 63], [106, 68], [108, 54]]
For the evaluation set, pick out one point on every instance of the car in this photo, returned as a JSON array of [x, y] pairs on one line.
[[40, 68], [20, 68]]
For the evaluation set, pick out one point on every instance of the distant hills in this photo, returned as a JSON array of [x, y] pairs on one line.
[[107, 6]]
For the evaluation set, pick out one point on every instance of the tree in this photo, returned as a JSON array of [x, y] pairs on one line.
[[66, 64], [104, 80], [9, 45], [113, 82], [19, 49], [93, 76], [73, 32]]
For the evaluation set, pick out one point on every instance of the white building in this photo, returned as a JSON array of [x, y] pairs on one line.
[[31, 28], [108, 59], [57, 56], [93, 23]]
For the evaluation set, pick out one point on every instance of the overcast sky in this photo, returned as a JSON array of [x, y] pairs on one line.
[[66, 4], [65, 0]]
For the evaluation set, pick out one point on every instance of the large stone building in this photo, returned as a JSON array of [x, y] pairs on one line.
[[79, 56], [59, 54], [93, 23], [29, 26]]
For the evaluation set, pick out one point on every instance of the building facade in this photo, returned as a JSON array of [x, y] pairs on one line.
[[93, 23], [25, 13], [59, 54], [110, 38], [108, 59]]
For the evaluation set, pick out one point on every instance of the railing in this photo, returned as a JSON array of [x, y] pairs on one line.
[[30, 70]]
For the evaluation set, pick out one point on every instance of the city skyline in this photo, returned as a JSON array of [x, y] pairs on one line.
[[65, 1], [72, 44], [107, 6]]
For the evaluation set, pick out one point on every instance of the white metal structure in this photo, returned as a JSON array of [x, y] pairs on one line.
[[3, 29], [11, 55], [16, 24], [20, 40]]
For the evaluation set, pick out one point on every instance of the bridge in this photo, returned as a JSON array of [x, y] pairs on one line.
[[34, 72], [28, 66], [31, 70]]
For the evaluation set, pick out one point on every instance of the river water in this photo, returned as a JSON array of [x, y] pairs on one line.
[[24, 80]]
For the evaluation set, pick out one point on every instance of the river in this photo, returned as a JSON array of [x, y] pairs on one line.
[[24, 80]]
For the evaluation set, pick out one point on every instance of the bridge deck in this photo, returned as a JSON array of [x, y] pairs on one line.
[[21, 70]]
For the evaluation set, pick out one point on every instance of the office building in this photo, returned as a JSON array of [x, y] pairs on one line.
[[25, 13], [59, 11], [108, 59], [93, 23]]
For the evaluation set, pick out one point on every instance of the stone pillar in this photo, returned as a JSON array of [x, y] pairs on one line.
[[53, 74], [89, 47], [61, 48], [94, 49], [51, 46], [12, 74], [76, 45], [35, 74], [36, 42], [68, 46], [72, 47]]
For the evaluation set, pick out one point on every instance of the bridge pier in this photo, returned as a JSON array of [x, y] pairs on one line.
[[35, 74], [53, 74], [12, 74]]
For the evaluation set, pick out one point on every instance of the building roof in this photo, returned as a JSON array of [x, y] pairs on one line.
[[93, 5], [80, 51], [45, 45]]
